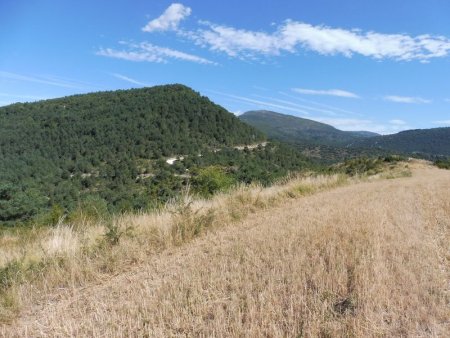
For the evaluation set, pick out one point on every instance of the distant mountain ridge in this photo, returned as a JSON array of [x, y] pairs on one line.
[[302, 132], [433, 142], [294, 129], [364, 133]]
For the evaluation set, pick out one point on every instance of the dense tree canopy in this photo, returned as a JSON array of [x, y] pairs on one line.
[[111, 147]]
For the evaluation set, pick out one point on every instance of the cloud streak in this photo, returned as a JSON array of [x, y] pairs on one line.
[[334, 110], [264, 104], [147, 52], [169, 20], [328, 92], [52, 81], [300, 106], [442, 122], [22, 97], [130, 80], [397, 122], [406, 99]]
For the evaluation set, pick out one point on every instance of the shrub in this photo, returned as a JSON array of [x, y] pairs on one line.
[[442, 164], [207, 181], [189, 224], [115, 231]]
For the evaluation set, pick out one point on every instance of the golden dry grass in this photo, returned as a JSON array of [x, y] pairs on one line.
[[364, 260], [35, 262]]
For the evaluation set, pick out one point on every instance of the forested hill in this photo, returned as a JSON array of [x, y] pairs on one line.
[[328, 144], [318, 141], [426, 142], [297, 130], [109, 150], [149, 122]]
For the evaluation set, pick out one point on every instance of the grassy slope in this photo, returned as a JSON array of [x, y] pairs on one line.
[[365, 259]]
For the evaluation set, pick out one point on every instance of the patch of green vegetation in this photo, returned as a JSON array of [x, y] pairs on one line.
[[210, 180], [442, 163], [366, 165], [423, 143], [115, 231]]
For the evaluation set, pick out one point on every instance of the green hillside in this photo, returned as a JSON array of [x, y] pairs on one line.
[[328, 144], [423, 142], [108, 151], [318, 141], [299, 130]]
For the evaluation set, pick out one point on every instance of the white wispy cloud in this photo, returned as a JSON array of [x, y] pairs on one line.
[[292, 36], [447, 100], [347, 123], [362, 124], [406, 99], [442, 122], [169, 20], [48, 80], [288, 37], [235, 42], [334, 110], [22, 97], [129, 79], [328, 92], [397, 122], [148, 52], [300, 106], [9, 98], [260, 104]]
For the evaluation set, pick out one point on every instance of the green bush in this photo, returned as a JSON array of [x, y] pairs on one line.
[[17, 205], [92, 207], [443, 164], [207, 181]]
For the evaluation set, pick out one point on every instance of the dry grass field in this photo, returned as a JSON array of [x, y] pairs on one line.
[[314, 257]]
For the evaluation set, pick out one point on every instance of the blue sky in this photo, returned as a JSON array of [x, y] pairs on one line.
[[382, 65]]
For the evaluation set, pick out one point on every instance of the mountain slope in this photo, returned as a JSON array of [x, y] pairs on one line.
[[168, 119], [432, 142], [109, 149], [319, 142], [328, 143], [299, 130]]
